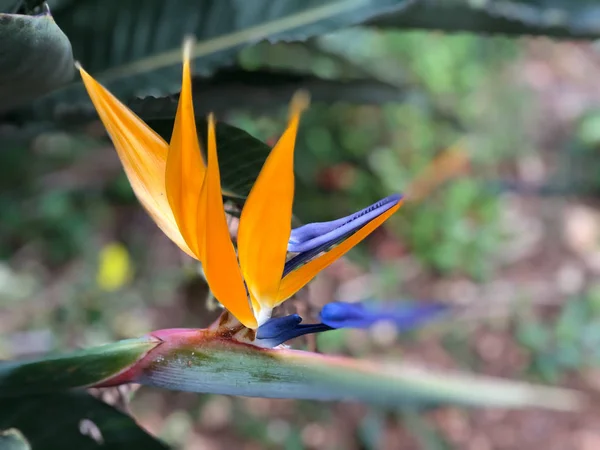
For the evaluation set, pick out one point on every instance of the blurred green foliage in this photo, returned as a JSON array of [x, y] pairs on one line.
[[569, 342]]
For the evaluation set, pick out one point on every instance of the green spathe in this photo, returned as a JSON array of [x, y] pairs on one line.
[[211, 361]]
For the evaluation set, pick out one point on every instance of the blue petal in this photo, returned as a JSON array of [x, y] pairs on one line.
[[281, 329], [277, 325], [405, 315], [312, 235], [311, 239]]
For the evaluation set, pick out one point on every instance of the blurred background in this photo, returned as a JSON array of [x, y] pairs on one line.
[[513, 239]]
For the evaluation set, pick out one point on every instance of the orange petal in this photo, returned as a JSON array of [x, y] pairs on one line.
[[185, 167], [218, 255], [142, 152], [297, 279], [266, 220]]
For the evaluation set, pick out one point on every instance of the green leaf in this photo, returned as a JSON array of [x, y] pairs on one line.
[[77, 369], [13, 439], [135, 48], [562, 19], [73, 420], [36, 58]]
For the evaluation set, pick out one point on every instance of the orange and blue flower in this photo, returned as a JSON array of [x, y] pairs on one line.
[[182, 192]]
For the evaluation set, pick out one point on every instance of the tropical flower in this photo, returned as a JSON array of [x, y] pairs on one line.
[[182, 193]]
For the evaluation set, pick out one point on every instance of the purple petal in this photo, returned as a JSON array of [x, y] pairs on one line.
[[312, 235], [405, 315], [303, 257], [311, 239]]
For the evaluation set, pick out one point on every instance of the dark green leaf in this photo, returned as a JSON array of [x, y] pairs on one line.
[[73, 420], [77, 369], [556, 18], [238, 89], [241, 155], [35, 58], [134, 48]]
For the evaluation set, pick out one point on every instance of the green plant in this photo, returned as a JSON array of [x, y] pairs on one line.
[[569, 342]]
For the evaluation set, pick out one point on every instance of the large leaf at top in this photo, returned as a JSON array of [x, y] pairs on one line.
[[35, 58], [260, 90], [578, 19], [72, 420], [134, 47]]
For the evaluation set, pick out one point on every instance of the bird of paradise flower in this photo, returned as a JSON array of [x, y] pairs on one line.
[[182, 192]]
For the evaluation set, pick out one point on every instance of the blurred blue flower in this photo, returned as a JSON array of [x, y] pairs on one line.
[[404, 315]]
